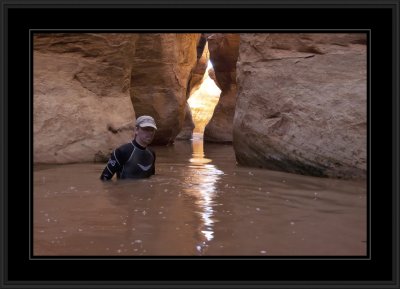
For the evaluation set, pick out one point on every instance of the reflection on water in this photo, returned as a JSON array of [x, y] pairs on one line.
[[200, 183], [198, 203]]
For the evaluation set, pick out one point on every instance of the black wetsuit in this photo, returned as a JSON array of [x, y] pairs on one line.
[[130, 161]]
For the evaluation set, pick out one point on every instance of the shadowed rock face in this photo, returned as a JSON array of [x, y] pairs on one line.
[[87, 88], [196, 78], [224, 51], [81, 102], [197, 75], [159, 80], [188, 125], [301, 103]]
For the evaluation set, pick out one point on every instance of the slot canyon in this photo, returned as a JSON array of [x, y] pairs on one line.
[[289, 102], [261, 143]]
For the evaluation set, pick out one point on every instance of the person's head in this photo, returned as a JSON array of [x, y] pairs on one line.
[[145, 130]]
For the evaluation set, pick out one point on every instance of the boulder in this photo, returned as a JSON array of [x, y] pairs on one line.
[[302, 103]]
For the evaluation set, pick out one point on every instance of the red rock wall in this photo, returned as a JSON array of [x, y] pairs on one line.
[[160, 77], [224, 52], [299, 103], [89, 88], [81, 102], [195, 80], [302, 103]]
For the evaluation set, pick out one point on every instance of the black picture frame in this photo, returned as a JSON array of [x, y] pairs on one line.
[[20, 270]]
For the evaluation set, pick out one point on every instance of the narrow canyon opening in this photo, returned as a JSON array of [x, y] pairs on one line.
[[253, 133], [202, 102]]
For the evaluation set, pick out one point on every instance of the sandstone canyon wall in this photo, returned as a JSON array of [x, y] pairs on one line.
[[302, 103], [81, 102], [160, 79], [291, 102], [224, 51], [195, 80], [89, 88]]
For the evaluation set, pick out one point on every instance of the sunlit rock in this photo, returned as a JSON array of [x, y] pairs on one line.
[[202, 103]]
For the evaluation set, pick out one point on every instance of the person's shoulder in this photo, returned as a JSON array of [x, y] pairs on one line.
[[125, 147], [152, 151]]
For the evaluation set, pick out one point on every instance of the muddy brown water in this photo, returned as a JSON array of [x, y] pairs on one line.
[[200, 202]]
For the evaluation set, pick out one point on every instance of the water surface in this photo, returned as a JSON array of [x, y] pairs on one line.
[[198, 203]]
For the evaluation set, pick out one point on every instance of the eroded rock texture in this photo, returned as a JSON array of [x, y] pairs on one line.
[[160, 78], [197, 75], [301, 103], [196, 78], [300, 98], [224, 51], [81, 102], [87, 88], [188, 125]]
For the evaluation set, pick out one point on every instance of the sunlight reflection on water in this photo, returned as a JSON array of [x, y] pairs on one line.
[[201, 185], [199, 203]]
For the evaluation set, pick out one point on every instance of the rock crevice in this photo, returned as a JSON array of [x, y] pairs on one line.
[[295, 102]]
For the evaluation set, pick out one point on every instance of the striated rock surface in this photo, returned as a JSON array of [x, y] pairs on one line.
[[90, 85], [300, 107], [224, 51], [160, 77], [195, 81], [301, 103], [197, 75], [81, 102]]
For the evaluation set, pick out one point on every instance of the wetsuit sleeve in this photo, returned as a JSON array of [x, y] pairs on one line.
[[153, 171], [113, 166]]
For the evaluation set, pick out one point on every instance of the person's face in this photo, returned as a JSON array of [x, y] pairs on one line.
[[144, 135]]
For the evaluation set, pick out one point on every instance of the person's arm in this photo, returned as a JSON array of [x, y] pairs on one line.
[[153, 171], [114, 165]]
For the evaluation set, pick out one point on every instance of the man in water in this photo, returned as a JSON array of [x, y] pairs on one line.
[[134, 160]]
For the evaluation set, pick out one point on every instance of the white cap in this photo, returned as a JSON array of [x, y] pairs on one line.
[[145, 121]]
